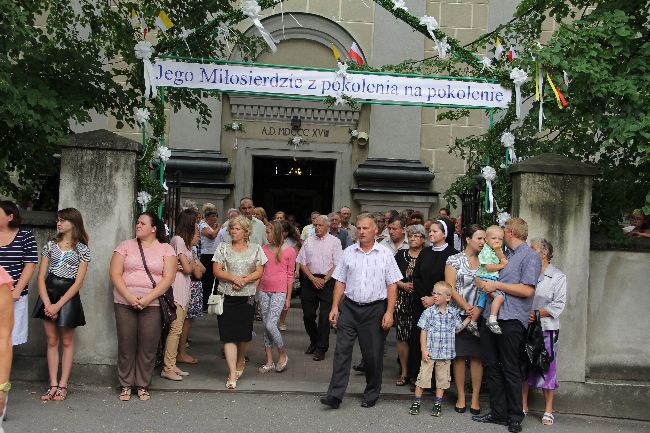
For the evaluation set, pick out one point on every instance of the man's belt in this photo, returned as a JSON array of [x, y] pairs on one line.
[[365, 304]]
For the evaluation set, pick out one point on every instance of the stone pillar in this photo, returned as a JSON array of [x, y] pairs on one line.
[[553, 194], [98, 177]]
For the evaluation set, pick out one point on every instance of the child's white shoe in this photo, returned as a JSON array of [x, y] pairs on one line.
[[473, 328]]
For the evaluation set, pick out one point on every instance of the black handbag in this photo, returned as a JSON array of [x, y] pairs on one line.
[[166, 300], [536, 356]]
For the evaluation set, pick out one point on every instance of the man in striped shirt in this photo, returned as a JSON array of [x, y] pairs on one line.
[[364, 301]]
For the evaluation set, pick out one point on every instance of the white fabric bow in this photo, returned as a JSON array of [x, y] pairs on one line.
[[144, 51], [400, 4], [519, 77], [339, 99], [141, 116], [144, 198], [443, 47], [502, 218], [431, 25], [487, 63], [163, 153], [343, 69], [251, 9], [508, 141], [489, 174]]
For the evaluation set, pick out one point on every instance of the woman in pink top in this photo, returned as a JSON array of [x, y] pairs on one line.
[[6, 324], [274, 293], [137, 311], [187, 235]]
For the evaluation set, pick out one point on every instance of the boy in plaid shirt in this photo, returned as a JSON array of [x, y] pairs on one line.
[[439, 324]]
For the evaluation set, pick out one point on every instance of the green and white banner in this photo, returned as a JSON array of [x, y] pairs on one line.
[[381, 88]]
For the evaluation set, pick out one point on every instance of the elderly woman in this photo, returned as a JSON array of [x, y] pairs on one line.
[[460, 272], [237, 265], [18, 256], [135, 298], [550, 300], [404, 307]]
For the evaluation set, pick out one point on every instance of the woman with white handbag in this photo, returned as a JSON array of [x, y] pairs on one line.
[[237, 266]]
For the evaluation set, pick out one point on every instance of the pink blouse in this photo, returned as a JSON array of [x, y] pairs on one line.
[[182, 281], [134, 275], [277, 276]]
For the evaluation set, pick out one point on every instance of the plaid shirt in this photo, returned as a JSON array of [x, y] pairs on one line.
[[441, 331]]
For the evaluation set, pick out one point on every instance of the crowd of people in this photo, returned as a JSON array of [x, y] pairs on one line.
[[459, 298]]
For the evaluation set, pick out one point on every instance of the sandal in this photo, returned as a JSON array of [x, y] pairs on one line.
[[415, 408], [238, 373], [231, 384], [125, 393], [188, 360], [401, 381], [51, 392], [61, 393], [143, 394], [548, 418]]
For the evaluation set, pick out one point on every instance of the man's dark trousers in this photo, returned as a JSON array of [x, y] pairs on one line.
[[363, 322], [501, 362], [317, 325]]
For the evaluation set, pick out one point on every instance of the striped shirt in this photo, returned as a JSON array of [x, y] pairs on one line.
[[441, 331], [65, 264], [17, 253], [320, 254], [367, 275]]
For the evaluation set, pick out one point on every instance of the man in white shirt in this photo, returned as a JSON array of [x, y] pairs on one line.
[[346, 214], [364, 301], [396, 239], [309, 230], [258, 232]]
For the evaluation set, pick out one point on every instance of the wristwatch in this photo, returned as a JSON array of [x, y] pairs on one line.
[[6, 387]]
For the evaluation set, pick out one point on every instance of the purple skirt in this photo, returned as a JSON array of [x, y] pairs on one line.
[[549, 379]]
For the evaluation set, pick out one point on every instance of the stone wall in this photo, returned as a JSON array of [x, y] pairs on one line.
[[618, 342]]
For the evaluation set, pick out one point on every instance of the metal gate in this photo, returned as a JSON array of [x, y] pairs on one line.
[[172, 205]]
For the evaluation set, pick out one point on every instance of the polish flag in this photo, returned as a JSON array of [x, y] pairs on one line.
[[512, 54], [355, 53]]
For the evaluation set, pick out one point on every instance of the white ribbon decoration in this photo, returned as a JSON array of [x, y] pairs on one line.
[[431, 24], [251, 9], [339, 100], [565, 75], [508, 141], [518, 77], [400, 4], [343, 69], [442, 47], [235, 127], [141, 116], [540, 84], [224, 31], [163, 153], [184, 36], [489, 174], [144, 198], [487, 63], [144, 51]]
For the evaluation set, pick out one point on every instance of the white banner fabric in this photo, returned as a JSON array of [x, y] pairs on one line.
[[367, 86]]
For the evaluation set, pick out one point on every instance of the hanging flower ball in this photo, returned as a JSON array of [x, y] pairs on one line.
[[507, 139], [141, 116], [143, 50], [489, 173], [502, 218], [164, 153], [296, 141], [235, 126], [144, 198], [354, 133], [518, 76]]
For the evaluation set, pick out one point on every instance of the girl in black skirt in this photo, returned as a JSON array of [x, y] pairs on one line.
[[60, 276]]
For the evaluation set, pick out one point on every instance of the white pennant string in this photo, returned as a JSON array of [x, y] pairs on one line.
[[144, 51], [431, 25], [540, 84], [224, 31], [508, 141], [251, 9], [518, 77]]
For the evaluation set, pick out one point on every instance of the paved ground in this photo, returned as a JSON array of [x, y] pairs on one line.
[[272, 402], [98, 410]]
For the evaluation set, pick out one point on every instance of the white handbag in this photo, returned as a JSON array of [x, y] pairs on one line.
[[215, 302]]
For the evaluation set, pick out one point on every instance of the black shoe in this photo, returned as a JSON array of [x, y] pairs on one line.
[[318, 356], [514, 426], [488, 418], [368, 403], [360, 367], [310, 349], [330, 401], [474, 411], [436, 410], [460, 409]]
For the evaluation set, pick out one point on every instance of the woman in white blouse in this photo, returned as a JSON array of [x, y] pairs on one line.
[[550, 300]]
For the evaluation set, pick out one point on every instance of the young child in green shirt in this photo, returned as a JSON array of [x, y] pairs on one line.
[[491, 260]]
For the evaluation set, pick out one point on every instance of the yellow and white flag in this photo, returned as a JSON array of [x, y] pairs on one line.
[[498, 49], [135, 19], [336, 53], [163, 22]]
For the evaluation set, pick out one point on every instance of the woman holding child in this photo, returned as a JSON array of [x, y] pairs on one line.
[[459, 273]]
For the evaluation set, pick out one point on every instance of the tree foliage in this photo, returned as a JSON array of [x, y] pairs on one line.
[[61, 60]]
